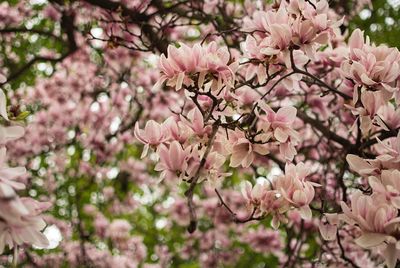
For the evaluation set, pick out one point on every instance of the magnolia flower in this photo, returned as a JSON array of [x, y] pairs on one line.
[[388, 117], [216, 62], [278, 40], [181, 62], [173, 160], [26, 228], [178, 130], [391, 150], [307, 36], [375, 217], [244, 152], [296, 22], [275, 204], [185, 61], [153, 135], [378, 222], [211, 169], [8, 185], [388, 185], [371, 102], [252, 48], [265, 201], [295, 189], [371, 66], [246, 95], [195, 121], [361, 166], [288, 150], [252, 195], [281, 122]]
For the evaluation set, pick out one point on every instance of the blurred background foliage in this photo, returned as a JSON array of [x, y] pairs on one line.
[[382, 23]]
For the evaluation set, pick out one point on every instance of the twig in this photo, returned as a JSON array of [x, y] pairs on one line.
[[234, 215], [316, 79], [343, 252], [193, 182]]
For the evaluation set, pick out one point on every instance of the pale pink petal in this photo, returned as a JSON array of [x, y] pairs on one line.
[[369, 240], [305, 212], [390, 254], [328, 232], [3, 105]]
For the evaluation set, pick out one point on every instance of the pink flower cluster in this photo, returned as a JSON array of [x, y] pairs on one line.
[[296, 23], [291, 190], [21, 221], [210, 64], [179, 144], [371, 73], [370, 66], [375, 213]]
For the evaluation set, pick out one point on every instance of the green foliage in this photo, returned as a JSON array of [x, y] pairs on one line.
[[382, 23]]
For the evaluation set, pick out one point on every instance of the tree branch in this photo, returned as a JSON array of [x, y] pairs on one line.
[[189, 192]]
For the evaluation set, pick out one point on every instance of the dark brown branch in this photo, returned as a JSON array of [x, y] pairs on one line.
[[382, 136], [343, 252], [140, 19], [234, 215], [29, 64], [323, 129], [30, 31], [316, 79], [193, 182], [67, 24]]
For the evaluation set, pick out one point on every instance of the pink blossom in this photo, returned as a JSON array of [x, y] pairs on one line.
[[252, 195], [275, 204], [281, 124], [25, 229], [181, 61], [8, 175], [178, 130], [377, 220], [244, 152], [195, 121], [295, 189], [388, 117], [388, 185], [153, 135], [184, 62], [361, 166], [173, 160], [371, 66], [391, 150], [328, 230]]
